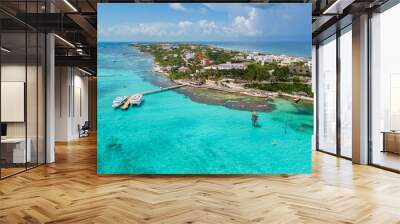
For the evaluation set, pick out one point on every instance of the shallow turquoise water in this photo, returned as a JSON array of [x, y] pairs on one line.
[[170, 134]]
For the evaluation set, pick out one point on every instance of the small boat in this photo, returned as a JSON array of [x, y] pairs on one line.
[[118, 101], [254, 118], [296, 100], [125, 106], [136, 99]]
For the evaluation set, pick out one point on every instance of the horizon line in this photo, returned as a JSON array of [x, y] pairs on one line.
[[193, 41]]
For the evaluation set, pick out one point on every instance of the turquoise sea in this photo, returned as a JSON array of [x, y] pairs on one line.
[[171, 134]]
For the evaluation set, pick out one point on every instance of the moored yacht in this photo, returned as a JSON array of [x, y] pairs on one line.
[[136, 99], [118, 101]]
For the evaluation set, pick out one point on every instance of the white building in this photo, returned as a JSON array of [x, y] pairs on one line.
[[183, 69], [166, 46], [189, 56], [227, 66]]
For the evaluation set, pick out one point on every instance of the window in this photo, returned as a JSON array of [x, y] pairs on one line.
[[346, 92], [327, 95], [385, 89]]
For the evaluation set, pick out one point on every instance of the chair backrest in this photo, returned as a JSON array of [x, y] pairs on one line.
[[86, 125]]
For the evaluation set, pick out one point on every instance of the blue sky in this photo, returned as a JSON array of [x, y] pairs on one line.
[[204, 22]]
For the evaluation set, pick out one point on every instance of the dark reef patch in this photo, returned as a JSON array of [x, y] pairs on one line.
[[214, 97], [114, 146]]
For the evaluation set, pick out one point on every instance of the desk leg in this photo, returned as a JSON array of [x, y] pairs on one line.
[[384, 142]]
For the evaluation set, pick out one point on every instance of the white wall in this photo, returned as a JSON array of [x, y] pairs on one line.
[[79, 110], [61, 103], [71, 102]]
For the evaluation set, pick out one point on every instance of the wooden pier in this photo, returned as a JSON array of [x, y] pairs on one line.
[[126, 104], [162, 89]]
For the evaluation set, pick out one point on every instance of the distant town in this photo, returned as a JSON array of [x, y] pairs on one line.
[[250, 73]]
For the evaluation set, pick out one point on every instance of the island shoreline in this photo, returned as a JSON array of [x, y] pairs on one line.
[[245, 91], [250, 92]]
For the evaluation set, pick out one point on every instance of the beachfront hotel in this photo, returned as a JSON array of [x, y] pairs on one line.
[[49, 125]]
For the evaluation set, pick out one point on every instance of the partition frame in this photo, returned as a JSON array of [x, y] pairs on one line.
[[338, 33], [44, 94]]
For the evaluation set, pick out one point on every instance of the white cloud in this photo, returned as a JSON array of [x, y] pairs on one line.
[[177, 7], [200, 29], [156, 29], [240, 26], [185, 24], [208, 27], [246, 25]]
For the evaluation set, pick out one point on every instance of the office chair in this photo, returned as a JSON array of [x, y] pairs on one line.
[[84, 130]]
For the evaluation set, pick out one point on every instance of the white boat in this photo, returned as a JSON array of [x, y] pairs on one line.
[[118, 101], [136, 99]]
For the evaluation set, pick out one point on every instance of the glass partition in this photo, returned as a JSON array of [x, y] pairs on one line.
[[22, 67], [14, 153], [327, 95]]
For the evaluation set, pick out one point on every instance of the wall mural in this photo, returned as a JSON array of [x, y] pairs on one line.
[[204, 88]]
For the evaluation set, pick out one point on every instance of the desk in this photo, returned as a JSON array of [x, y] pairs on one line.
[[18, 150], [391, 141]]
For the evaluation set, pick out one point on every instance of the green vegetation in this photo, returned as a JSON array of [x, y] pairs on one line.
[[253, 73], [296, 79], [173, 58], [186, 61], [219, 56], [284, 87], [282, 73], [177, 75]]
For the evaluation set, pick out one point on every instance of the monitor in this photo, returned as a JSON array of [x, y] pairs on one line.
[[3, 129]]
